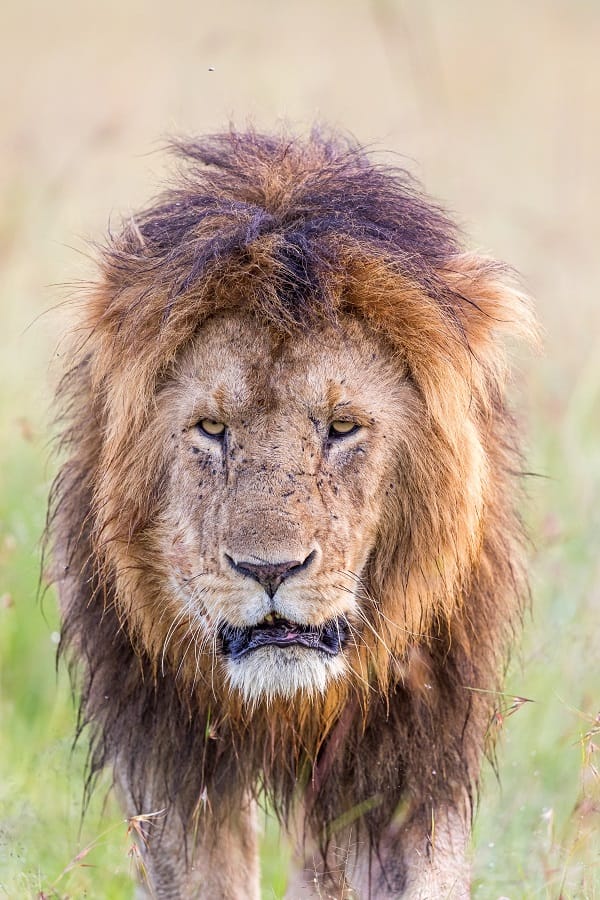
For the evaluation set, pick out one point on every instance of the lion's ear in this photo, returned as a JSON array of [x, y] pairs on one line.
[[489, 302]]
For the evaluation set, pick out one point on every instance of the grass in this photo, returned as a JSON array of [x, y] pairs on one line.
[[515, 153]]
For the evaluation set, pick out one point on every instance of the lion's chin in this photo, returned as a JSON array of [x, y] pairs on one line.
[[270, 672]]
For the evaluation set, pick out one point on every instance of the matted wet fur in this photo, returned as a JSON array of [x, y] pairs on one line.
[[289, 359]]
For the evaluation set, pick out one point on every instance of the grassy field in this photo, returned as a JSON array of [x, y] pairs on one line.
[[495, 108]]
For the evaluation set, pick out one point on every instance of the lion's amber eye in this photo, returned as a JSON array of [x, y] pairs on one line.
[[211, 427], [340, 428]]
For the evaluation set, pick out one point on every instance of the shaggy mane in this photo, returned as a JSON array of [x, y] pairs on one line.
[[298, 232]]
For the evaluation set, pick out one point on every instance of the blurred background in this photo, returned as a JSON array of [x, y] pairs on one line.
[[496, 108]]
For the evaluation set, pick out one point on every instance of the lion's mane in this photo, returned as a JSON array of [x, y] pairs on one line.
[[297, 232]]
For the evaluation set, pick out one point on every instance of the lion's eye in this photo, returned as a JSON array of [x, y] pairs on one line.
[[211, 427], [341, 428]]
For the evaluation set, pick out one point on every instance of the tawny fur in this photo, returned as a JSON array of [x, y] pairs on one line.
[[275, 283]]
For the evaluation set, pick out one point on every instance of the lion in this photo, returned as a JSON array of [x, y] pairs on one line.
[[286, 534]]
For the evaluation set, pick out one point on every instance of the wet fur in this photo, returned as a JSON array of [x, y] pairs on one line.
[[299, 234]]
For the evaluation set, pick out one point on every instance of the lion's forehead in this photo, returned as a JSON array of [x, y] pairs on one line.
[[237, 364]]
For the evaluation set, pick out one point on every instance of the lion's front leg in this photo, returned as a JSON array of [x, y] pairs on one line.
[[209, 859], [222, 863], [419, 861]]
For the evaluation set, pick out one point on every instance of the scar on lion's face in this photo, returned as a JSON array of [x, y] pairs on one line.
[[281, 449]]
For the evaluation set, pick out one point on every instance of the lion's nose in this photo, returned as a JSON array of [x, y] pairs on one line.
[[270, 575]]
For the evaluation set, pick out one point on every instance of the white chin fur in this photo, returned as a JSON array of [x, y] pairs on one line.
[[270, 672]]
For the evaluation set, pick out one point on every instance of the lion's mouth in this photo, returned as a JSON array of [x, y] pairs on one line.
[[275, 632]]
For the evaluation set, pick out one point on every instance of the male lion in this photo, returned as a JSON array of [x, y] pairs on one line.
[[287, 549]]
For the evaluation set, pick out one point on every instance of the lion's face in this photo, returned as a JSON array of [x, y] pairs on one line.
[[282, 456]]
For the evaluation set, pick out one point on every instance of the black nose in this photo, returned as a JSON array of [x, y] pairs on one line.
[[270, 575]]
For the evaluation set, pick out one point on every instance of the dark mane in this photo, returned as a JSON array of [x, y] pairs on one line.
[[305, 203]]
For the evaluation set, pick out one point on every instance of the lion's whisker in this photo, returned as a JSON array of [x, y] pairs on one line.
[[185, 653], [363, 617], [173, 626], [377, 609]]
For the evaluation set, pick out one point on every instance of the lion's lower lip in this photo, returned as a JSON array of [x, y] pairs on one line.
[[328, 637]]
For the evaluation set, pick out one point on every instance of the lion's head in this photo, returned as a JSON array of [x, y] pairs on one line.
[[290, 462], [282, 458], [281, 528]]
